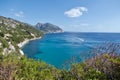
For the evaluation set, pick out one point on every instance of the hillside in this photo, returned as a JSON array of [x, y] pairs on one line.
[[102, 67], [105, 65], [48, 28], [13, 32]]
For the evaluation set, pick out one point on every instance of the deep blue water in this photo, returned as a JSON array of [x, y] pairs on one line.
[[57, 48]]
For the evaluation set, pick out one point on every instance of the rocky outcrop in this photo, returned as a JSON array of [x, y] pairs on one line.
[[48, 28]]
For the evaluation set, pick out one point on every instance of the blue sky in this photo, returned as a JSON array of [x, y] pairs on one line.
[[70, 15]]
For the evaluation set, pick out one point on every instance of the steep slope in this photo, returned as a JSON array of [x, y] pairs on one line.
[[48, 28], [13, 32]]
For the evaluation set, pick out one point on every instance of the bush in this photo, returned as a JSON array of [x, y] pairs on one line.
[[104, 66], [1, 34]]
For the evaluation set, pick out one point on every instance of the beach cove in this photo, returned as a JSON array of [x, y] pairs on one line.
[[22, 44], [58, 48]]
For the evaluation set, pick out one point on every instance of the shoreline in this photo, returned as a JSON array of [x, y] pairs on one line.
[[21, 44]]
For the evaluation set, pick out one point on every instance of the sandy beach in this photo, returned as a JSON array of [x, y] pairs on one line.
[[20, 45]]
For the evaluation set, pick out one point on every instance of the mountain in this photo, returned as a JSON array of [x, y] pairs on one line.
[[14, 34], [48, 28], [102, 66]]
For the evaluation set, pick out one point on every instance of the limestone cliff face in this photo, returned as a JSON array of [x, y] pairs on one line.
[[48, 28], [13, 32]]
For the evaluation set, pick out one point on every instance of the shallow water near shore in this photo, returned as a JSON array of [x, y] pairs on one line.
[[58, 48]]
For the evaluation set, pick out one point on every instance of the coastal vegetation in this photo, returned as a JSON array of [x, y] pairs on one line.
[[13, 32], [104, 65]]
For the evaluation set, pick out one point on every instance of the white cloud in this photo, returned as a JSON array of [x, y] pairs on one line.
[[84, 24], [76, 12], [19, 14], [79, 25], [11, 10]]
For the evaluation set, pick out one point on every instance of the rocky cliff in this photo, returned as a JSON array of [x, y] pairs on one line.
[[13, 33], [48, 28]]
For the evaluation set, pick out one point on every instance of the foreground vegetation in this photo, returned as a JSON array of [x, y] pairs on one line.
[[14, 68], [105, 66]]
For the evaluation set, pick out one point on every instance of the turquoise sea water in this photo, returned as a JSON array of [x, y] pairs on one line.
[[57, 48]]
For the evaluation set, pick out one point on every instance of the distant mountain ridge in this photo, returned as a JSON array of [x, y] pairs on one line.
[[48, 28]]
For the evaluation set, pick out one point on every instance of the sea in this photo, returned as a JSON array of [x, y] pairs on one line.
[[65, 49]]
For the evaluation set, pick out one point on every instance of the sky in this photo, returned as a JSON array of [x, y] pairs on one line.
[[70, 15]]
